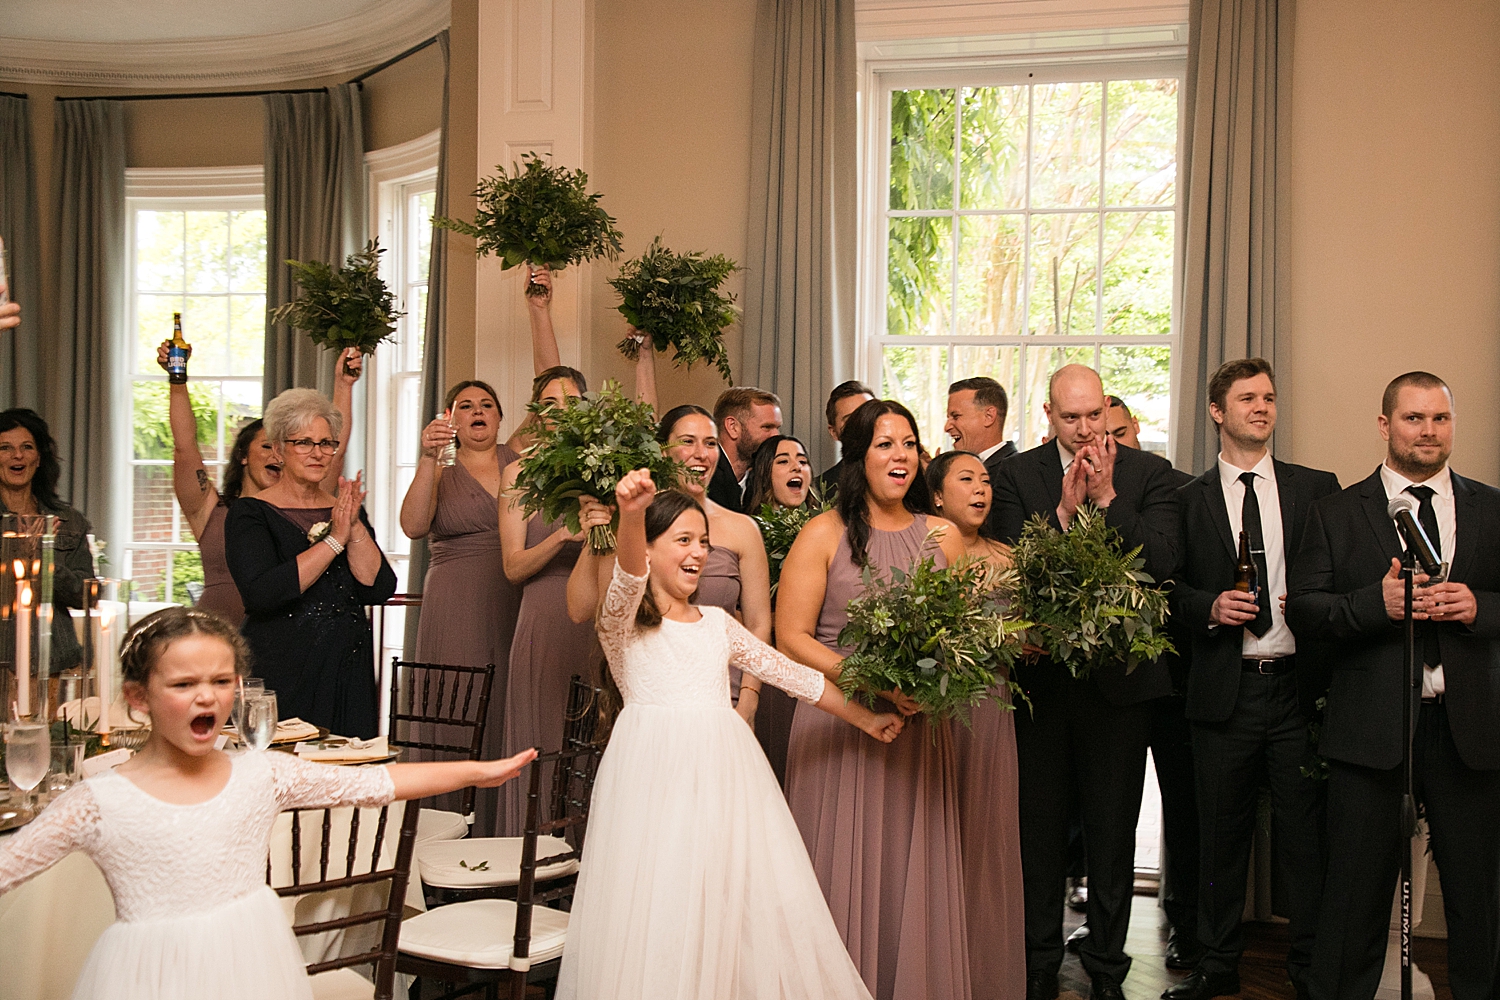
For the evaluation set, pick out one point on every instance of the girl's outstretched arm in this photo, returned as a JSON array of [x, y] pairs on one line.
[[418, 781]]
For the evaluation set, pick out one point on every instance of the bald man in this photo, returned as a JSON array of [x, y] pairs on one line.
[[1093, 732]]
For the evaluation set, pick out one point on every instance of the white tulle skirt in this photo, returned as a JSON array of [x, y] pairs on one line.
[[695, 884], [241, 950]]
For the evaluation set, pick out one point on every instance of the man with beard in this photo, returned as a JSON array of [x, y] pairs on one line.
[[1347, 589], [745, 417]]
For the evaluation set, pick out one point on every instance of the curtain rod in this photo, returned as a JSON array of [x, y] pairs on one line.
[[6, 93], [358, 80]]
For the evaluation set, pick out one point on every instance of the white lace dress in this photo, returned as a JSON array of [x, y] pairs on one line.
[[195, 918], [695, 884]]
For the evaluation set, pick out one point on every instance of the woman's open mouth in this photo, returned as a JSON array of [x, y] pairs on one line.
[[795, 483], [697, 471], [900, 475], [204, 726]]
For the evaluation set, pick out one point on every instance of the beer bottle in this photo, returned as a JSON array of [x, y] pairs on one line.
[[177, 353], [1245, 574]]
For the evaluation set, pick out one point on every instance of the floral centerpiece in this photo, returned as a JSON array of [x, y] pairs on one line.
[[585, 449], [938, 636], [675, 300], [540, 214], [779, 527], [347, 307], [1088, 602]]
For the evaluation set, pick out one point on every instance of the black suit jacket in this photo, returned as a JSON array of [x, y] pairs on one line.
[[1144, 512], [1206, 569], [723, 488], [1336, 596], [828, 482], [991, 528]]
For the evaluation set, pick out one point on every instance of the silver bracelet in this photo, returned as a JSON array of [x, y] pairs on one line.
[[333, 543]]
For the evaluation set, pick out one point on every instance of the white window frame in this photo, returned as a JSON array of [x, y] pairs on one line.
[[392, 175], [214, 189], [888, 67]]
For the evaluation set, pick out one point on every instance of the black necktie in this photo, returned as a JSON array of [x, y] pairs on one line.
[[1427, 517], [1250, 521]]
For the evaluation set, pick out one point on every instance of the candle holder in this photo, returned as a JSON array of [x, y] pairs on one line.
[[25, 616]]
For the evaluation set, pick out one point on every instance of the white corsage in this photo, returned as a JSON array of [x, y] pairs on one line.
[[318, 532]]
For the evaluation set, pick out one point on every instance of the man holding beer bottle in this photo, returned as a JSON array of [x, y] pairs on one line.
[[1252, 687]]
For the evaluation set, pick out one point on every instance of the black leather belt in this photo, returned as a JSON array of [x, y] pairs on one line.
[[1268, 668]]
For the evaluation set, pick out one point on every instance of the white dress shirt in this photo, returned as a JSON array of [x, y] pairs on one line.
[[1064, 454], [1278, 640], [1442, 505], [984, 456]]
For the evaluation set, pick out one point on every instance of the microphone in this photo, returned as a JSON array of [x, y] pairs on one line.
[[1402, 509]]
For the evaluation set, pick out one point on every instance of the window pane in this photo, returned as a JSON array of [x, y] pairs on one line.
[[1140, 166], [1064, 258], [207, 251], [993, 165], [1041, 362], [416, 328], [922, 126], [1142, 376], [158, 252], [247, 246], [1138, 251], [187, 567], [918, 377], [205, 325], [242, 402], [420, 224], [1003, 364], [247, 335], [153, 324], [990, 274], [920, 275], [409, 421], [1065, 144], [152, 520], [152, 434], [148, 573]]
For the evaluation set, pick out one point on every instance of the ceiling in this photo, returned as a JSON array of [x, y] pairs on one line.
[[177, 44]]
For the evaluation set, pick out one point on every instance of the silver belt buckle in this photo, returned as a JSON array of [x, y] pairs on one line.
[[1261, 667]]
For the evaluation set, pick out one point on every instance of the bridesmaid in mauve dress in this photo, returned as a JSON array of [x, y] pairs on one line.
[[988, 776], [469, 608], [881, 823]]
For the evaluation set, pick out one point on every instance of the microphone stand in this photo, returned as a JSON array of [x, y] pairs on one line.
[[1408, 797]]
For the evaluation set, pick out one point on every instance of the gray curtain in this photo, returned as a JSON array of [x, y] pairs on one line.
[[20, 349], [434, 356], [799, 281], [88, 194], [315, 210], [1236, 188]]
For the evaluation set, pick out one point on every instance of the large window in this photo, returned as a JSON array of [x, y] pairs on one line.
[[197, 246], [1024, 225]]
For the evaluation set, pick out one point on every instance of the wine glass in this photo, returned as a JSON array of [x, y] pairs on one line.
[[245, 685], [260, 719], [28, 752]]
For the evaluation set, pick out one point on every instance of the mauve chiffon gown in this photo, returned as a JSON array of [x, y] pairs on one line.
[[547, 650], [881, 821], [469, 608], [719, 587]]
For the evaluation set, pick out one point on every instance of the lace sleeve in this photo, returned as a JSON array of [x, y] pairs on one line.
[[63, 827], [750, 654], [617, 615], [303, 784]]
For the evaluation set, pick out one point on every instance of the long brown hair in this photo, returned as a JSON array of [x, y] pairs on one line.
[[149, 638], [853, 502]]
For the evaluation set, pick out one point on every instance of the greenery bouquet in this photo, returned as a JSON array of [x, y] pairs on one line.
[[675, 300], [586, 448], [541, 215], [348, 307], [778, 529], [1089, 604], [933, 635]]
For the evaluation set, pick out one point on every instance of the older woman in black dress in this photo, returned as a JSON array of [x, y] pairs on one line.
[[306, 564]]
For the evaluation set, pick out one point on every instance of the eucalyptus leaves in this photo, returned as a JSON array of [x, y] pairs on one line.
[[348, 307], [675, 300], [1089, 604], [778, 530]]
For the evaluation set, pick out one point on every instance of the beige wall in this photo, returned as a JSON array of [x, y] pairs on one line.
[[1396, 221]]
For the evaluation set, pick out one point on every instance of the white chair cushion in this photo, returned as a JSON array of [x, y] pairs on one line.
[[439, 824], [452, 864], [480, 934], [341, 984]]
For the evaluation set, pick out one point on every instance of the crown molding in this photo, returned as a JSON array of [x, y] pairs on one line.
[[891, 20], [338, 48], [415, 156]]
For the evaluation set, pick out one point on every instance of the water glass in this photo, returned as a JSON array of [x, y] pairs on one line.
[[260, 719], [67, 763], [250, 685], [28, 748]]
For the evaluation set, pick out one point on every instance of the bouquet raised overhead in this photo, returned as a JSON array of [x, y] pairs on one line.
[[347, 307], [585, 449], [1089, 603], [675, 300], [934, 635], [779, 527], [540, 214]]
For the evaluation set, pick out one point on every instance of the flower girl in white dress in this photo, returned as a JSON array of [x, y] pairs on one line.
[[182, 830], [695, 884]]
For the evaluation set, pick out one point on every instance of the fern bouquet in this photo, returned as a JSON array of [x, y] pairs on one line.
[[779, 527]]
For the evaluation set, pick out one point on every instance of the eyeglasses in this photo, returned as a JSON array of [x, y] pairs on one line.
[[303, 446]]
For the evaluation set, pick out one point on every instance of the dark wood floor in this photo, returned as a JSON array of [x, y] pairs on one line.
[[1262, 970]]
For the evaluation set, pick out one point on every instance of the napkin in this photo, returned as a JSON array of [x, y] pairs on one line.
[[287, 731], [375, 749]]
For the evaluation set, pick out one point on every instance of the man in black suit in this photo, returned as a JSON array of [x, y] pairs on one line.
[[1094, 730], [1347, 590], [845, 398], [977, 408], [1251, 689], [745, 416]]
